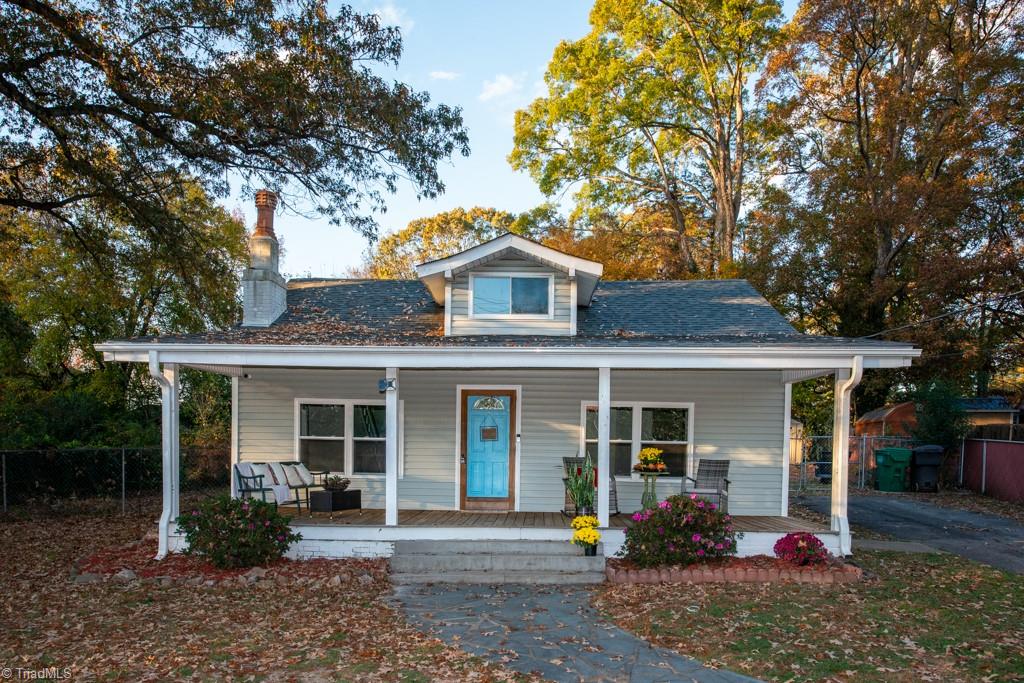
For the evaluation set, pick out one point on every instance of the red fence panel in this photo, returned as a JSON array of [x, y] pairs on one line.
[[995, 468]]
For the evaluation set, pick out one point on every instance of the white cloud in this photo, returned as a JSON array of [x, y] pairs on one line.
[[444, 75], [389, 13], [501, 86]]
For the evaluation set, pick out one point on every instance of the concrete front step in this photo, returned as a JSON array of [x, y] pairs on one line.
[[518, 576], [402, 563], [489, 547], [549, 562]]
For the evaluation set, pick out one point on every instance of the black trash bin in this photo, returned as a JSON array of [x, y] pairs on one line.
[[924, 473]]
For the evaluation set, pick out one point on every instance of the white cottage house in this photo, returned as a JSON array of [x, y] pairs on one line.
[[495, 364]]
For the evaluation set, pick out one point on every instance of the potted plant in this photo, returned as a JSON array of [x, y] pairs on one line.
[[580, 485], [650, 462], [585, 534], [335, 496]]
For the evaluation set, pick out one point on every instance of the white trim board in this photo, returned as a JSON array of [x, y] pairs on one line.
[[464, 357]]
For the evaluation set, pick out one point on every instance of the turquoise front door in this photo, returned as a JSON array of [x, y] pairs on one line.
[[488, 448]]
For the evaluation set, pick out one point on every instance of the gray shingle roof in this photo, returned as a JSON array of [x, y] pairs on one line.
[[634, 313]]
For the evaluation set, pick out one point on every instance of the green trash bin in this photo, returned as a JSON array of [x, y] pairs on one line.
[[891, 466]]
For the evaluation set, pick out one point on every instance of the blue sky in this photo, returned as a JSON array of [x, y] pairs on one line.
[[487, 57]]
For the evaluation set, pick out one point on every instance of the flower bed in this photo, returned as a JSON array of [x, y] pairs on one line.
[[135, 562], [756, 569]]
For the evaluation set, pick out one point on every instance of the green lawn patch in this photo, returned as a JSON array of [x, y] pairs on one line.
[[916, 617]]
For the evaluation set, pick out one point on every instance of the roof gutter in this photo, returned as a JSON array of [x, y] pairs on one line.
[[704, 357]]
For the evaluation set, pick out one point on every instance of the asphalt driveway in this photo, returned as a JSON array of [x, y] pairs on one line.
[[988, 539]]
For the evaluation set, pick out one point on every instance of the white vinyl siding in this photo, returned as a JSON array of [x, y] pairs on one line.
[[738, 415], [558, 323]]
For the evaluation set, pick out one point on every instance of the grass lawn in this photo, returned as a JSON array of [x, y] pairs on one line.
[[264, 631], [916, 618]]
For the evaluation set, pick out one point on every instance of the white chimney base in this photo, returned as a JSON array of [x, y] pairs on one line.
[[264, 297]]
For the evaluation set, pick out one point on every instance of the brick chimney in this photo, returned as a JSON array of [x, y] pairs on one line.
[[264, 295]]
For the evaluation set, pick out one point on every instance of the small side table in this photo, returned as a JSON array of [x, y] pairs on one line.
[[649, 499], [333, 501]]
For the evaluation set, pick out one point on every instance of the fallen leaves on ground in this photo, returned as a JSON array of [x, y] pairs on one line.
[[266, 630], [919, 618]]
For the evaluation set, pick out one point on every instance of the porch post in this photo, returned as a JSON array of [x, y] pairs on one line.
[[391, 449], [846, 380], [170, 445], [604, 400]]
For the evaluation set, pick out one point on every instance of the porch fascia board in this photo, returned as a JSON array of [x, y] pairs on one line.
[[653, 358]]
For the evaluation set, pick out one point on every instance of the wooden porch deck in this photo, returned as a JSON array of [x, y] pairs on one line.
[[522, 520]]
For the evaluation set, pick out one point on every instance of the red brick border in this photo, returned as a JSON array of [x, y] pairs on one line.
[[844, 573]]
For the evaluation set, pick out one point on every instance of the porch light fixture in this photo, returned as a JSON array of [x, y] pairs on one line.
[[385, 385]]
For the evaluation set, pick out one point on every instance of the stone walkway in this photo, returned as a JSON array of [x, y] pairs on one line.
[[548, 630]]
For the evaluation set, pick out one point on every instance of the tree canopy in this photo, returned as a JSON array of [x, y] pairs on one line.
[[649, 111], [122, 104]]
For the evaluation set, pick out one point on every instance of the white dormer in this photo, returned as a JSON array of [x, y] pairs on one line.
[[510, 285]]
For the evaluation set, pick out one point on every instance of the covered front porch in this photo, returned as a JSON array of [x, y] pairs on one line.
[[730, 404]]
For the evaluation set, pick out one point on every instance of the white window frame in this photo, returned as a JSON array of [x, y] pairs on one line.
[[637, 426], [550, 277], [350, 437]]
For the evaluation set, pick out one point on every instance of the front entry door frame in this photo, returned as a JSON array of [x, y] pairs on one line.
[[502, 505]]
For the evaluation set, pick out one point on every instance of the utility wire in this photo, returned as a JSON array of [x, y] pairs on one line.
[[944, 315]]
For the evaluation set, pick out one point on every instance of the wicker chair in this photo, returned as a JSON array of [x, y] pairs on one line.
[[712, 482], [574, 464]]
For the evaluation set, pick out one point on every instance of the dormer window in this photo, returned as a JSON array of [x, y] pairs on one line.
[[512, 296]]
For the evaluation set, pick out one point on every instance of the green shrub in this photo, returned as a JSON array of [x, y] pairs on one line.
[[237, 533], [681, 530]]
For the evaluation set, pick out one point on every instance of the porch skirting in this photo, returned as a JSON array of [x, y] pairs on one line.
[[351, 534]]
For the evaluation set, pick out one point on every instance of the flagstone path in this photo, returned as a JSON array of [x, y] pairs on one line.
[[548, 630]]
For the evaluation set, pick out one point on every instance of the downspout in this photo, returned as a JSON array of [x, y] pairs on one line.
[[165, 396], [841, 433]]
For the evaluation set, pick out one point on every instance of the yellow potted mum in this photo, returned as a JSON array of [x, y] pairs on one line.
[[586, 534]]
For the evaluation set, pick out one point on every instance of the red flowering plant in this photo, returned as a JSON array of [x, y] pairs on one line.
[[230, 532], [802, 548], [680, 530]]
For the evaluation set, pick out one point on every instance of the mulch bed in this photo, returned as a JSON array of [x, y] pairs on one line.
[[755, 569], [136, 561]]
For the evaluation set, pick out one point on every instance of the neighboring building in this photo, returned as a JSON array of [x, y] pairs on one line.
[[901, 419], [462, 391]]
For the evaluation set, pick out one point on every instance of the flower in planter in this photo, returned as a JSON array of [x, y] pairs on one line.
[[586, 536], [802, 548], [585, 522], [650, 461]]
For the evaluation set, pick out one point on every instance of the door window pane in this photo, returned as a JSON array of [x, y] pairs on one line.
[[368, 421], [323, 456], [621, 423], [368, 457], [321, 420], [491, 295], [530, 295], [663, 424]]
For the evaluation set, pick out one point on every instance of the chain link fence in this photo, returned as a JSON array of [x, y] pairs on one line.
[[105, 479], [811, 461]]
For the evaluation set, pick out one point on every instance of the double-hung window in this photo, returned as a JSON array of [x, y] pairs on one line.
[[634, 426], [347, 437], [511, 296]]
